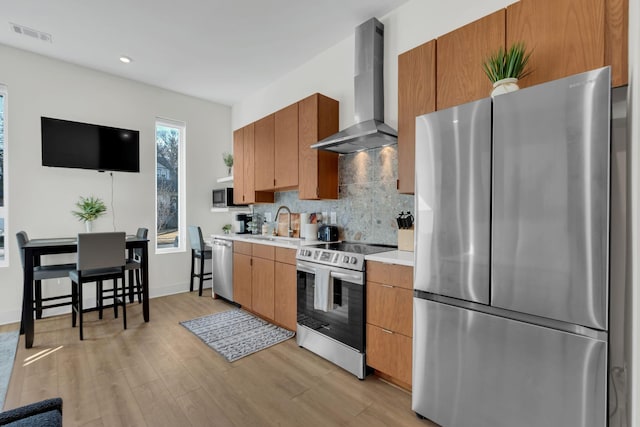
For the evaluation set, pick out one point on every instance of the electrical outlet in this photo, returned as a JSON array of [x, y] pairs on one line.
[[333, 218]]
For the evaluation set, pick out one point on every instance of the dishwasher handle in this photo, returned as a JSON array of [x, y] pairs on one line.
[[220, 242]]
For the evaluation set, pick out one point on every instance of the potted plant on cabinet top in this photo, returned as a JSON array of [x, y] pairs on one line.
[[89, 209], [228, 160], [504, 68]]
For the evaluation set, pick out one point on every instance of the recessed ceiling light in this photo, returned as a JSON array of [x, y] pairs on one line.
[[125, 59]]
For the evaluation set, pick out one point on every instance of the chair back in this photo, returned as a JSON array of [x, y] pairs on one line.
[[195, 238], [23, 239], [101, 250], [142, 233]]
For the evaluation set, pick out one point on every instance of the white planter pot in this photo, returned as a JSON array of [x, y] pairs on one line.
[[88, 226], [504, 86]]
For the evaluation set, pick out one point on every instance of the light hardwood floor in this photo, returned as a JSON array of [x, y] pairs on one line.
[[159, 374]]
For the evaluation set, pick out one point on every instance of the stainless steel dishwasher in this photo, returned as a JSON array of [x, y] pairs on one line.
[[222, 259]]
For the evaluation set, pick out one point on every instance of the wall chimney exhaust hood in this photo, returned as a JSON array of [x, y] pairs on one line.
[[369, 131]]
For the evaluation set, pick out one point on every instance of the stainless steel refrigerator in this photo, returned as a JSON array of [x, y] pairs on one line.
[[511, 280]]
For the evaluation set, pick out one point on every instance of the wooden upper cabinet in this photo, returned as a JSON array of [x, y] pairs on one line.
[[317, 169], [416, 96], [264, 153], [244, 190], [238, 161], [286, 147], [567, 36], [617, 40], [460, 53]]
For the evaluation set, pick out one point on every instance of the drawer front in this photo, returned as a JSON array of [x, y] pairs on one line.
[[242, 247], [390, 274], [389, 352], [390, 308], [287, 256], [263, 251]]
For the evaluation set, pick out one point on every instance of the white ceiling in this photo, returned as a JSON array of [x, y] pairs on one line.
[[220, 50]]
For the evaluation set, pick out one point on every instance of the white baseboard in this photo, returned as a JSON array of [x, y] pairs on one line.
[[13, 316]]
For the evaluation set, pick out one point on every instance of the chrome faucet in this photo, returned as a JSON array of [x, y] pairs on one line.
[[289, 230]]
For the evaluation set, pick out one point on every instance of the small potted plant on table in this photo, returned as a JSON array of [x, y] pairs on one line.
[[89, 209]]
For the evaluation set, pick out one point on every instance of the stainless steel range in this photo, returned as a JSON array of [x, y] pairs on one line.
[[331, 302]]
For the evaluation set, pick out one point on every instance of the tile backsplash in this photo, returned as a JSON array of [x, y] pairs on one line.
[[369, 202]]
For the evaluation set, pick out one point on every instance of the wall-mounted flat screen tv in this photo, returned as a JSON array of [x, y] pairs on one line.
[[68, 144]]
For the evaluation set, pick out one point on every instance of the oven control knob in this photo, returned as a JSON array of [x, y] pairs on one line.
[[345, 260], [354, 260]]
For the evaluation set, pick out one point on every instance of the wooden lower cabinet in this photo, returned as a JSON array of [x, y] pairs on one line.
[[389, 352], [390, 307], [242, 279], [264, 281], [262, 286], [285, 299], [390, 321]]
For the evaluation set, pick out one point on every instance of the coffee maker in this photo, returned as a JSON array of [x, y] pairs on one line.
[[241, 223]]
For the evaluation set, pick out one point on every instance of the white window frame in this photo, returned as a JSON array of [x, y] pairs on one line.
[[182, 194], [4, 210]]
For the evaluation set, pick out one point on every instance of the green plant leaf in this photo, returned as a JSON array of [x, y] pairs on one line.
[[89, 208], [505, 64]]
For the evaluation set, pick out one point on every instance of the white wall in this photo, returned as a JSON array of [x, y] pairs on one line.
[[41, 198], [633, 332], [408, 26], [331, 72]]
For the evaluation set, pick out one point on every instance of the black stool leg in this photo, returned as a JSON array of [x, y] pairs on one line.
[[124, 303], [99, 298], [80, 309], [193, 260], [38, 298], [131, 285], [74, 304], [139, 286], [201, 273]]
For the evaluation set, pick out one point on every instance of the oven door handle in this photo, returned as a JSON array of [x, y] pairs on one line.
[[305, 268], [351, 278]]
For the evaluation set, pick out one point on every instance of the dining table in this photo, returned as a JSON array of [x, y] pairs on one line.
[[36, 248]]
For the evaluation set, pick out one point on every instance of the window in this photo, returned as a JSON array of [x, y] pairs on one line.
[[3, 179], [170, 184]]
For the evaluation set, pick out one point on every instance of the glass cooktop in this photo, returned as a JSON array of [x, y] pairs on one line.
[[354, 247]]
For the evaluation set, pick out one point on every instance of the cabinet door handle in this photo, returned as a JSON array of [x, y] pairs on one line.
[[388, 286], [387, 331]]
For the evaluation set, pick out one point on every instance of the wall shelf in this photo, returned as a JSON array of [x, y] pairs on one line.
[[244, 209], [226, 179]]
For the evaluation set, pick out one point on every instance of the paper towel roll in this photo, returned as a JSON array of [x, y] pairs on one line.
[[304, 220], [311, 232]]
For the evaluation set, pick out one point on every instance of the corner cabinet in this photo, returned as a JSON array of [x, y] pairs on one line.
[[416, 96], [317, 169], [390, 321]]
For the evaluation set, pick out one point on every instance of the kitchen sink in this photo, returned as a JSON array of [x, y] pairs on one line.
[[279, 239]]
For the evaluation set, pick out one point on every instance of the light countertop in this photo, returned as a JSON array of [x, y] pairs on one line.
[[392, 257], [283, 242]]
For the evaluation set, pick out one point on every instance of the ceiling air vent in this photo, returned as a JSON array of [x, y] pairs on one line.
[[26, 31]]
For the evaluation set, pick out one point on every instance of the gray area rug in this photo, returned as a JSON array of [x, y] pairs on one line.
[[236, 334], [8, 347]]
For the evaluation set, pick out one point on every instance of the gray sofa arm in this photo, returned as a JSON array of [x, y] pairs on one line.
[[44, 413]]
